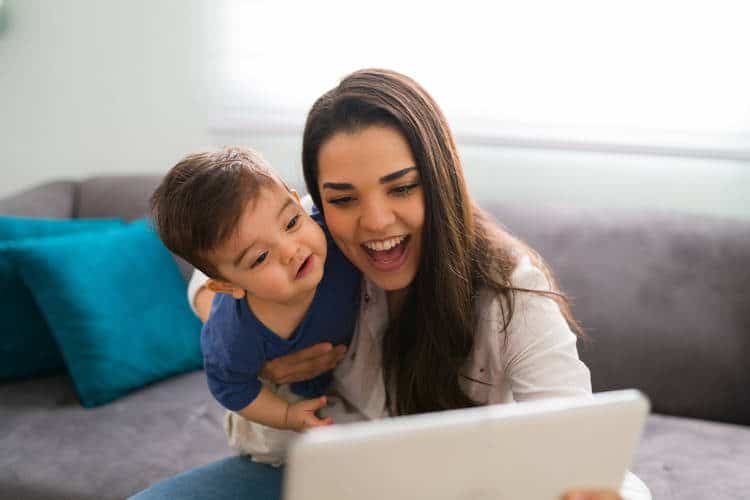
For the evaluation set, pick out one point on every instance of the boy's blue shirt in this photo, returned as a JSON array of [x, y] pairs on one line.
[[236, 344]]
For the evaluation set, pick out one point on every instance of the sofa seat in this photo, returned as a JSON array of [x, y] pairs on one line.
[[691, 459], [54, 448]]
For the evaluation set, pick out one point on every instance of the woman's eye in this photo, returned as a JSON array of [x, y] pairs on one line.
[[404, 190], [292, 222], [343, 200], [260, 259]]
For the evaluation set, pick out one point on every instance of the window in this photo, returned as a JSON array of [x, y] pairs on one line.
[[651, 77]]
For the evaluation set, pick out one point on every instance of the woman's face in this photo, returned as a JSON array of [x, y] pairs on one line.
[[373, 202]]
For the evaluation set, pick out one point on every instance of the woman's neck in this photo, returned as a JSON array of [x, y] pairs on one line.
[[396, 300]]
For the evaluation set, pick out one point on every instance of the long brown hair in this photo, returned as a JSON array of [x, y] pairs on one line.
[[430, 338]]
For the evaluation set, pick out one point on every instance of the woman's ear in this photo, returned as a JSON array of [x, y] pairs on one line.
[[219, 286]]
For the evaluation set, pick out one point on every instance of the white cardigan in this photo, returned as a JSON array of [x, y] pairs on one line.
[[535, 358]]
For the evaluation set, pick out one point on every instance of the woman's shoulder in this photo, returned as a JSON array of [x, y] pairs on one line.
[[522, 303], [529, 273]]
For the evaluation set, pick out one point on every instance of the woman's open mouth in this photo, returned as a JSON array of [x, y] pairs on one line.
[[387, 255], [305, 268]]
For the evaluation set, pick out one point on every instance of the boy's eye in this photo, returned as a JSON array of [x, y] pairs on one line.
[[259, 260], [343, 200], [404, 190], [292, 222]]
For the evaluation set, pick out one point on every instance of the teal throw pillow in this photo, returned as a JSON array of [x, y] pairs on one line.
[[27, 348], [115, 302]]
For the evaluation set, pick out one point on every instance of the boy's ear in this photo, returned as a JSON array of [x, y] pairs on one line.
[[295, 194], [219, 286]]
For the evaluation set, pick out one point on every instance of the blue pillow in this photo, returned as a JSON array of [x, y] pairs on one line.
[[27, 348], [115, 302]]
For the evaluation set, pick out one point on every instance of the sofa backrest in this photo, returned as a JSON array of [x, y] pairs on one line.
[[54, 200], [662, 296], [125, 196], [118, 196]]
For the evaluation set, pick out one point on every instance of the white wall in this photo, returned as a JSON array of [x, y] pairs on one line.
[[594, 179], [90, 87]]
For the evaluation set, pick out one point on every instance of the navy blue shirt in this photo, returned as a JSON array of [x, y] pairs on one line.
[[236, 344]]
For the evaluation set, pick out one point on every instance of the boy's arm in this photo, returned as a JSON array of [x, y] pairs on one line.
[[269, 409]]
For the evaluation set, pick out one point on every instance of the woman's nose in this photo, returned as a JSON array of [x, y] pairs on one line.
[[376, 216]]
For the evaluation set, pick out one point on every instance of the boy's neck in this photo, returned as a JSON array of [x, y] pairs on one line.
[[281, 318]]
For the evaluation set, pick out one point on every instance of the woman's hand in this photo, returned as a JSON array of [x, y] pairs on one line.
[[303, 365], [591, 495]]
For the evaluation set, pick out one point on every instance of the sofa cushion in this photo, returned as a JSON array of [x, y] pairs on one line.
[[27, 348], [124, 196], [115, 303]]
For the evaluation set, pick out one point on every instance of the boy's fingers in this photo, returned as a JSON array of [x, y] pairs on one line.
[[317, 422], [314, 404]]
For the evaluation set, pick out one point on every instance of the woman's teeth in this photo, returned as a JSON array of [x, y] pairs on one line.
[[380, 246]]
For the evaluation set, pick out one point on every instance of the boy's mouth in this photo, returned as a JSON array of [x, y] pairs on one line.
[[305, 267]]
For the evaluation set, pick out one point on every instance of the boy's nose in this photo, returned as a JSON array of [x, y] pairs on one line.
[[289, 251]]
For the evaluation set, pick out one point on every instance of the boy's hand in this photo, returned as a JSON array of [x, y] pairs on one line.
[[301, 415]]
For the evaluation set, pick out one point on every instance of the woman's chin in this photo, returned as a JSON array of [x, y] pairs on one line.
[[392, 283]]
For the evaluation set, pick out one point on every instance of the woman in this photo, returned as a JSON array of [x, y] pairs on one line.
[[455, 311]]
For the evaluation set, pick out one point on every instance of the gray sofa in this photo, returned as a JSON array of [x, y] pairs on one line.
[[663, 297]]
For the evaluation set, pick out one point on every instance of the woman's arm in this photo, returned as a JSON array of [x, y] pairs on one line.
[[202, 303], [540, 359], [199, 297]]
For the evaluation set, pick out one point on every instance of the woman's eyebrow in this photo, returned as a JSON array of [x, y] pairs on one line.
[[396, 175], [344, 186]]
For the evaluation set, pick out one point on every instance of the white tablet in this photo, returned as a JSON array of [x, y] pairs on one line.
[[535, 450]]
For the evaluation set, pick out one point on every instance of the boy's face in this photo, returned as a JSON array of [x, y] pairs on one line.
[[276, 253]]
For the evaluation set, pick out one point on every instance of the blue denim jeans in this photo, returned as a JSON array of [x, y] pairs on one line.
[[232, 478]]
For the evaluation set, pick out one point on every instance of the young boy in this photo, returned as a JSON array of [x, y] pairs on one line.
[[284, 286]]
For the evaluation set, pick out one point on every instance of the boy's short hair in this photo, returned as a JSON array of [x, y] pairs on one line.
[[201, 199]]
